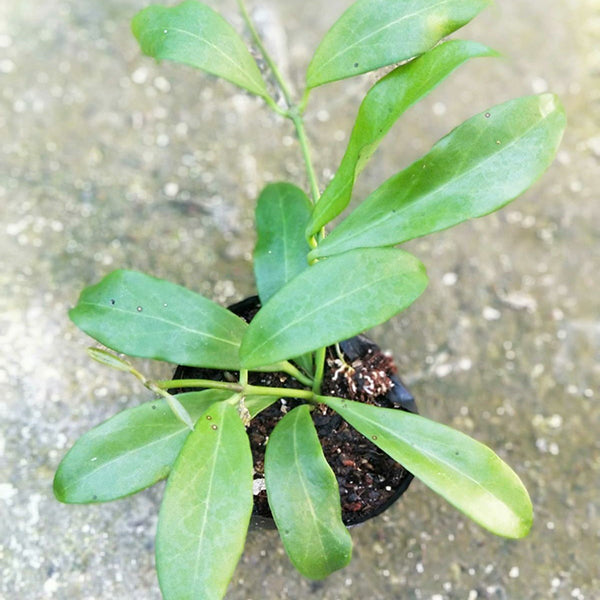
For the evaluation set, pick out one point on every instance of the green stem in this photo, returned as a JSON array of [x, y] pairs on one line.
[[246, 390], [280, 81], [293, 113], [319, 369], [273, 105], [304, 101], [290, 369], [259, 390], [340, 354], [304, 146], [243, 377], [169, 384]]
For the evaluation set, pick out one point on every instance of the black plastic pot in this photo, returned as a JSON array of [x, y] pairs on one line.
[[369, 480]]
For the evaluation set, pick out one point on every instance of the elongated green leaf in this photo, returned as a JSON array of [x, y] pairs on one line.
[[282, 213], [462, 470], [377, 33], [476, 169], [304, 497], [380, 109], [194, 34], [331, 301], [206, 509], [129, 452], [147, 317]]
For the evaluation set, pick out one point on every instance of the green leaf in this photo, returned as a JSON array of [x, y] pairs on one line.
[[194, 34], [304, 497], [282, 213], [256, 404], [376, 33], [331, 301], [476, 169], [462, 470], [140, 315], [129, 452], [206, 509], [380, 109]]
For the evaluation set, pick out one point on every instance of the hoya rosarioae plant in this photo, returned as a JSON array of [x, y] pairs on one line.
[[198, 439]]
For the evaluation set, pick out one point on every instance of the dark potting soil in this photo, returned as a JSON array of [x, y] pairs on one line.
[[369, 480]]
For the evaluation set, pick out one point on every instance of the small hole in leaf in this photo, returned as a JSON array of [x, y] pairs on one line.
[[139, 309], [112, 301], [208, 418], [373, 437], [213, 427], [487, 115]]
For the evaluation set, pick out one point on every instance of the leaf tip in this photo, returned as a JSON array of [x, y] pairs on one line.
[[58, 487], [525, 522]]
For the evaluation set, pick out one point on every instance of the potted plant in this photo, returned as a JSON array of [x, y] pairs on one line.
[[296, 353]]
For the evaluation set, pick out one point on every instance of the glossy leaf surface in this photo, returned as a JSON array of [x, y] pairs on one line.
[[381, 107], [304, 497], [282, 213], [377, 33], [129, 452], [462, 470], [139, 315], [331, 301], [206, 508], [476, 169], [194, 34]]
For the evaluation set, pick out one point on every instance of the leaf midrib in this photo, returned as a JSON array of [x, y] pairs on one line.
[[208, 496], [308, 497]]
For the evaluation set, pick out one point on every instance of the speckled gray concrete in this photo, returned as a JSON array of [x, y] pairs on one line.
[[109, 160]]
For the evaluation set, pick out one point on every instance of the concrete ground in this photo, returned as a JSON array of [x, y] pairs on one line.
[[109, 160]]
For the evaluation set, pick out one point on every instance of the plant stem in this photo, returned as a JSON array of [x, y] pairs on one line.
[[168, 384], [280, 81], [259, 390], [246, 390], [304, 101], [319, 369], [293, 113], [290, 369], [304, 146], [273, 105]]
